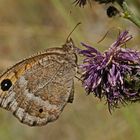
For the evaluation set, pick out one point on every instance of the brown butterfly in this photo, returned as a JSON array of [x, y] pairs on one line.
[[37, 89]]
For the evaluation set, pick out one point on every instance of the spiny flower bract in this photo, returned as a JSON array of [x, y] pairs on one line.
[[82, 3], [114, 74]]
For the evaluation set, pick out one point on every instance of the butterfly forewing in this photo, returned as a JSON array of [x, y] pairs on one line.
[[37, 89]]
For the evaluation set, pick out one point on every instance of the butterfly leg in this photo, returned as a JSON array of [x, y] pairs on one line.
[[71, 97]]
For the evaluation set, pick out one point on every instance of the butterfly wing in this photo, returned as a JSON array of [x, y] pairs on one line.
[[37, 89]]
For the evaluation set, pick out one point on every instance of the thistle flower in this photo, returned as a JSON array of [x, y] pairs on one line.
[[109, 1], [84, 2], [112, 11], [113, 75], [105, 1], [80, 2]]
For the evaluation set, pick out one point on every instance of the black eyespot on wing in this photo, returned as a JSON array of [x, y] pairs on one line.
[[40, 110], [6, 84]]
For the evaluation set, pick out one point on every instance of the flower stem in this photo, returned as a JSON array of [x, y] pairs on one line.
[[128, 14]]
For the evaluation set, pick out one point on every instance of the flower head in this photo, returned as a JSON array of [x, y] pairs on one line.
[[80, 2], [114, 74], [84, 2], [112, 11], [105, 1]]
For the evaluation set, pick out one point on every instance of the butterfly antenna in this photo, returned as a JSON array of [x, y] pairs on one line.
[[107, 34], [73, 30]]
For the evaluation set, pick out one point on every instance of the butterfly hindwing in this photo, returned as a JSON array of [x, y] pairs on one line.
[[40, 87]]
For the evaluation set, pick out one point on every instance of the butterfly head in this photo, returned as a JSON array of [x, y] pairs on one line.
[[69, 46]]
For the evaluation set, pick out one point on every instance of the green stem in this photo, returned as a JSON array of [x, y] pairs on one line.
[[128, 14]]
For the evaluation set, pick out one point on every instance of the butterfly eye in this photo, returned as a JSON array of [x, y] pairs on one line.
[[6, 84]]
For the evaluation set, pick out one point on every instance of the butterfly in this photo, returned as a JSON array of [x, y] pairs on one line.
[[37, 89]]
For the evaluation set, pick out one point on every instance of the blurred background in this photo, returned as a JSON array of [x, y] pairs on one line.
[[30, 26]]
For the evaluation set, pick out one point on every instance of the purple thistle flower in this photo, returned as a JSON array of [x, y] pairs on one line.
[[82, 3], [114, 74]]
